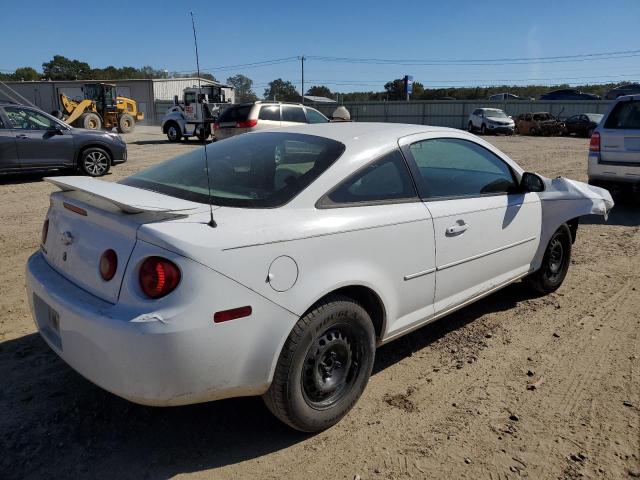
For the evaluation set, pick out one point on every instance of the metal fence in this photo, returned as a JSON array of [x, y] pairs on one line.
[[441, 113], [455, 113]]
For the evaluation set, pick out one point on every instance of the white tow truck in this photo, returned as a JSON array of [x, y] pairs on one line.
[[195, 114]]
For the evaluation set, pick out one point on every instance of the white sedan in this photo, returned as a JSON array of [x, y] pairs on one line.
[[277, 267]]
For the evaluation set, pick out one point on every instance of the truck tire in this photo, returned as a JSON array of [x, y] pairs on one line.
[[174, 134], [126, 123], [204, 133], [90, 121]]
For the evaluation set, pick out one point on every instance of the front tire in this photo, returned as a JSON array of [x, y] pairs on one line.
[[555, 262], [324, 365], [470, 127], [95, 162], [174, 134], [483, 129]]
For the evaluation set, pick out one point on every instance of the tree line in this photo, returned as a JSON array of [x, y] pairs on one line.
[[62, 68]]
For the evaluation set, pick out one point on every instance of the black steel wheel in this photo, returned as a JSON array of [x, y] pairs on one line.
[[555, 263], [324, 365]]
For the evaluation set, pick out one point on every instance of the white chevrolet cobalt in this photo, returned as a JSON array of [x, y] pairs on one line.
[[275, 264]]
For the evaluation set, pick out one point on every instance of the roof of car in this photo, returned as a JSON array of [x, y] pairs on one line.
[[373, 133]]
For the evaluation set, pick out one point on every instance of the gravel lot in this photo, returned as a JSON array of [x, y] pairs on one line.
[[448, 401]]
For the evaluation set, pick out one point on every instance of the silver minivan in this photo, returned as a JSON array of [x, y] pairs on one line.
[[247, 117], [614, 152]]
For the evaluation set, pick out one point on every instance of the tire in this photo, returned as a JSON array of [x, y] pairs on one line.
[[126, 123], [95, 162], [58, 114], [470, 127], [174, 134], [90, 121], [483, 129], [324, 365], [204, 134], [555, 262], [533, 131]]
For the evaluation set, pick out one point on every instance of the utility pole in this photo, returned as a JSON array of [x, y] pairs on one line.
[[302, 59]]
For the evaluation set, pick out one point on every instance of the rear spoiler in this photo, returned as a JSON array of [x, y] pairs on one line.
[[128, 199]]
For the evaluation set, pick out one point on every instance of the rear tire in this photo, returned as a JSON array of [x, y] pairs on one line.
[[204, 133], [95, 162], [90, 121], [324, 365], [533, 132], [174, 134], [555, 262], [126, 123]]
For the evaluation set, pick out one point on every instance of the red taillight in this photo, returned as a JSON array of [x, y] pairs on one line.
[[45, 231], [108, 264], [594, 145], [216, 126], [158, 277], [247, 124], [232, 314]]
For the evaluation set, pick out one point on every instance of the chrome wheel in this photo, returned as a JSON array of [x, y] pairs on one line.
[[96, 163], [172, 133], [331, 367]]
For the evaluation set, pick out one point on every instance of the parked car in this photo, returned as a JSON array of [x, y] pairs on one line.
[[31, 139], [280, 273], [490, 120], [628, 89], [568, 94], [614, 152], [504, 96], [583, 124], [538, 123], [250, 117]]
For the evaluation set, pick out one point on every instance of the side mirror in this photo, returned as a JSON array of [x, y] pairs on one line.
[[530, 182]]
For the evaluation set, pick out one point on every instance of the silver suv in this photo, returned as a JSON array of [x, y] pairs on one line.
[[248, 117], [614, 152]]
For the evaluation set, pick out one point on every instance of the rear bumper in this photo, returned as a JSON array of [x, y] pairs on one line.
[[184, 358], [612, 172]]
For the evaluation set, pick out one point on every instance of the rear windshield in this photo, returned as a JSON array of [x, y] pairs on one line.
[[235, 114], [625, 115], [260, 170]]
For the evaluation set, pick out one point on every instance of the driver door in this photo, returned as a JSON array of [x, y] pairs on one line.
[[38, 142]]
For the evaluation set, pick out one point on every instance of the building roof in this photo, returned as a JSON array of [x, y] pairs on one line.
[[313, 98]]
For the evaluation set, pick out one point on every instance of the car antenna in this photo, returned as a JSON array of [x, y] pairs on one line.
[[212, 223]]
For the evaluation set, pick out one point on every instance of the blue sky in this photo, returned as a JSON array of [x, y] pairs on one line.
[[159, 34]]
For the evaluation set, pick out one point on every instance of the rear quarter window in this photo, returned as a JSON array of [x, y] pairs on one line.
[[235, 114]]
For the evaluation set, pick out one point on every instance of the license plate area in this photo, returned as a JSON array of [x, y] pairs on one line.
[[48, 321]]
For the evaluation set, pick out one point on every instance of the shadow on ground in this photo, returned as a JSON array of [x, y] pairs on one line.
[[165, 141], [57, 424]]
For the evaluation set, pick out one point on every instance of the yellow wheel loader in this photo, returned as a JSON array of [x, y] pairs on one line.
[[101, 108]]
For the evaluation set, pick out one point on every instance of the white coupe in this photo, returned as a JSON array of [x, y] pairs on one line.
[[277, 262]]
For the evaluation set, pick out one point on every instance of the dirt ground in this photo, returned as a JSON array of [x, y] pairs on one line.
[[448, 401]]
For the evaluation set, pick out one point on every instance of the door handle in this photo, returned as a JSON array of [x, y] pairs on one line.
[[22, 136], [458, 228]]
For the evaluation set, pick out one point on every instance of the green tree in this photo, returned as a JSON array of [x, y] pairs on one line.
[[62, 68], [25, 74], [395, 90], [320, 91], [282, 90], [242, 87]]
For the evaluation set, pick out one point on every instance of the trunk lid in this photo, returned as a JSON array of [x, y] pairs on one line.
[[91, 216]]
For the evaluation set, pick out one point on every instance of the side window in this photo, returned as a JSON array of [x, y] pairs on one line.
[[625, 115], [25, 119], [384, 180], [314, 116], [270, 112], [293, 114], [451, 167]]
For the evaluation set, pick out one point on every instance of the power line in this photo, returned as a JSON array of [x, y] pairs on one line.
[[483, 62]]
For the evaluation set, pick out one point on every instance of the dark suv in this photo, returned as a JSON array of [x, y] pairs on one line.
[[33, 140]]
